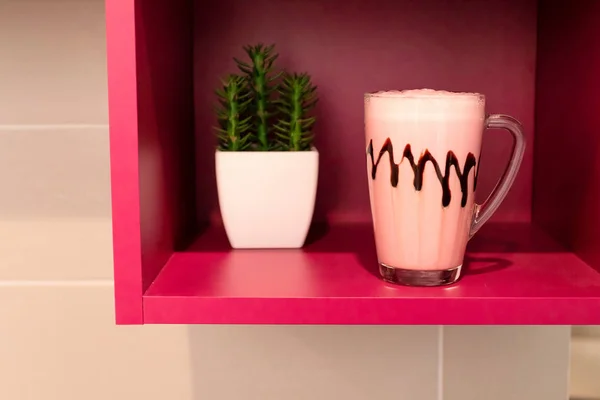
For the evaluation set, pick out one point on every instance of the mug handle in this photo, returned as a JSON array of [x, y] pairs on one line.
[[484, 211]]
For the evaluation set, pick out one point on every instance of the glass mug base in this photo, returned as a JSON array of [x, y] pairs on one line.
[[412, 277]]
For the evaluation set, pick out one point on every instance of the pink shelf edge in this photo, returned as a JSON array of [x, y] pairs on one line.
[[543, 285], [125, 194], [372, 311]]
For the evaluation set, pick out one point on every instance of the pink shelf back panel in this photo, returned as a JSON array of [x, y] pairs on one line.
[[353, 46], [567, 156], [166, 141]]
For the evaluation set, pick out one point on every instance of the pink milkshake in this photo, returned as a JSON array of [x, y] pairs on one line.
[[423, 150]]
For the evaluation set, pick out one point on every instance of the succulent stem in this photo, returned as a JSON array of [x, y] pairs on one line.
[[294, 126], [258, 74], [233, 130]]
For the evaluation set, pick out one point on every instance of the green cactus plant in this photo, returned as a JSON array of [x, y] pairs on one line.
[[294, 126], [234, 127], [259, 74]]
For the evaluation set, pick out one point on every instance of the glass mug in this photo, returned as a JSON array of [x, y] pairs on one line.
[[423, 150]]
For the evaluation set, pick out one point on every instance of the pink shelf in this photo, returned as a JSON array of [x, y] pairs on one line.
[[516, 275], [535, 60]]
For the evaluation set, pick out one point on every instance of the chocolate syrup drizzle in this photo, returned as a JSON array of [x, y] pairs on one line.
[[419, 169]]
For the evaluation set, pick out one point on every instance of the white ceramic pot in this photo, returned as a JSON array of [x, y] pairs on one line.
[[267, 199]]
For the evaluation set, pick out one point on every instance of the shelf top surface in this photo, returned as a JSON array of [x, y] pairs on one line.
[[515, 268]]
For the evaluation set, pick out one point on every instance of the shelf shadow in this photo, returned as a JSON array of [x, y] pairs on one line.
[[317, 232], [323, 237], [219, 352], [358, 239], [513, 238], [209, 239], [492, 238], [482, 265]]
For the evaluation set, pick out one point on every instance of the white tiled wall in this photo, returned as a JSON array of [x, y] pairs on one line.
[[57, 336], [585, 362], [52, 63], [510, 362]]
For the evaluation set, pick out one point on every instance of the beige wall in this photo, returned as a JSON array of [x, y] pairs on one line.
[[585, 362], [57, 337]]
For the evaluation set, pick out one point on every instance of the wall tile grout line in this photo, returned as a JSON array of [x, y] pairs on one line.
[[45, 127], [440, 365], [56, 283], [570, 364]]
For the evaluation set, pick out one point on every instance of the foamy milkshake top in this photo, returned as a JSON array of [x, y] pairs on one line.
[[423, 103]]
